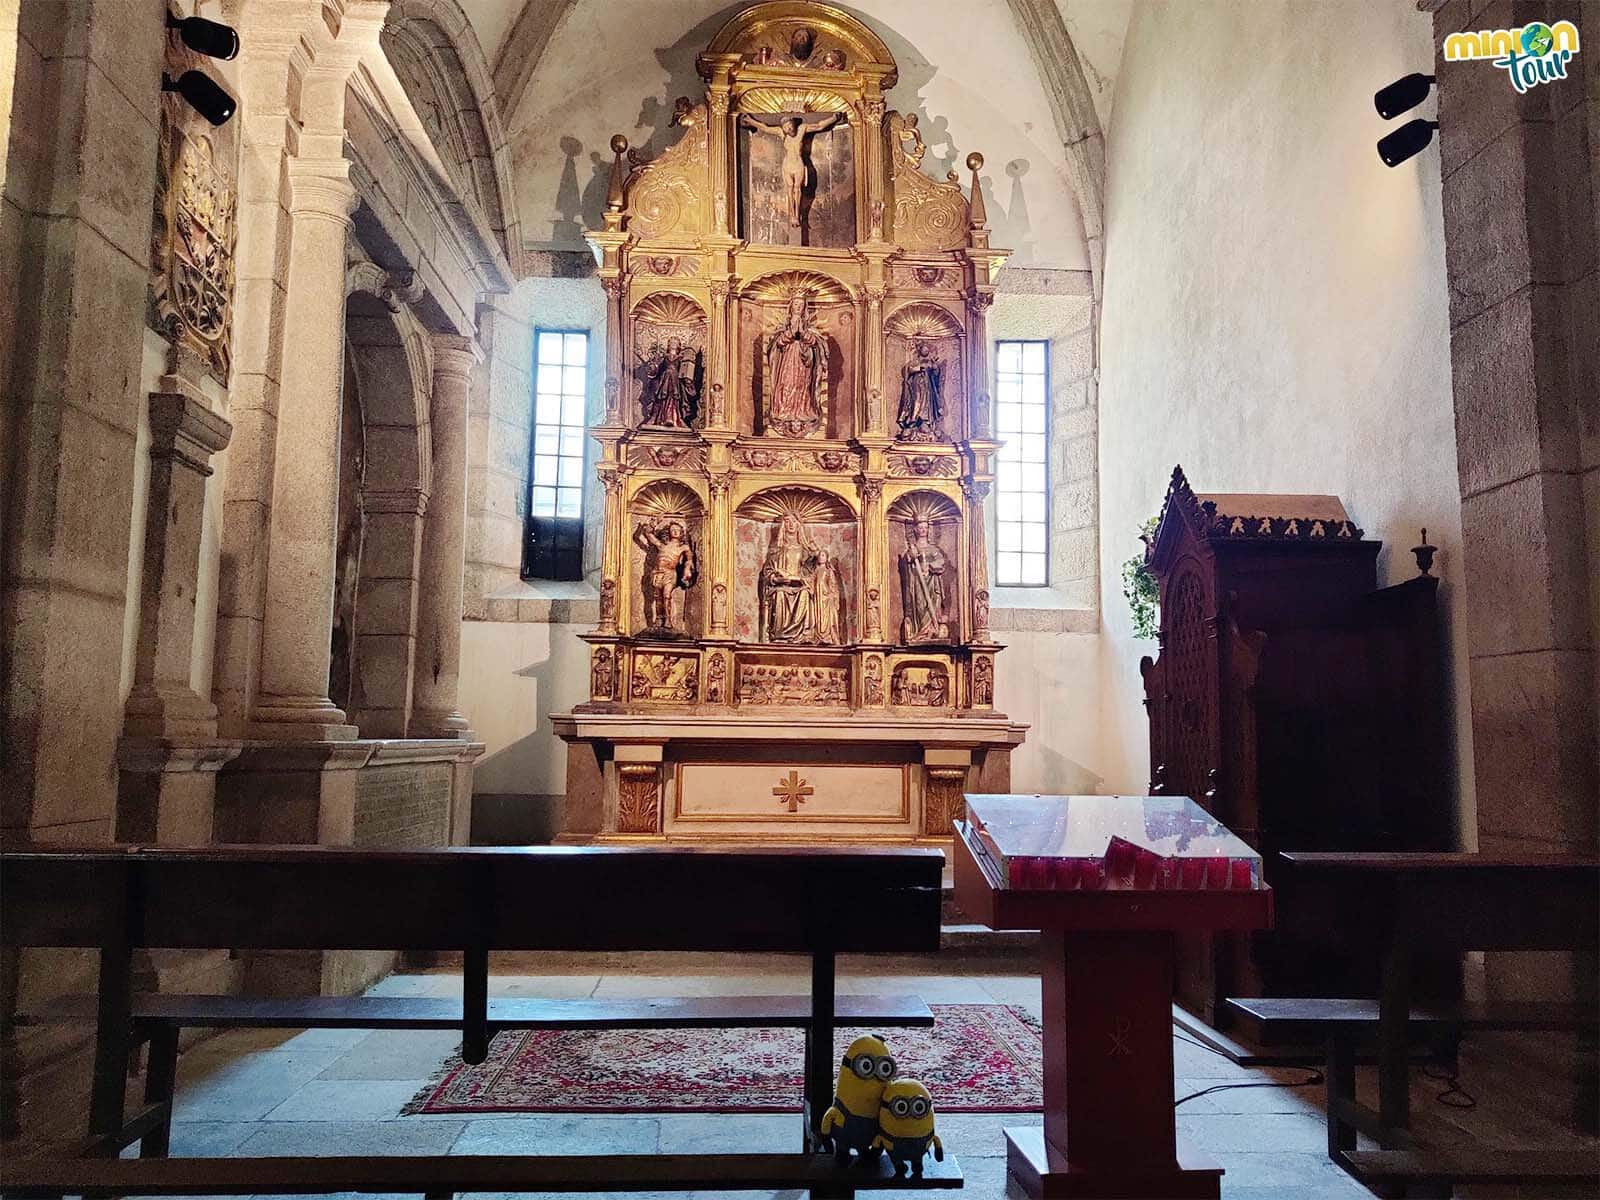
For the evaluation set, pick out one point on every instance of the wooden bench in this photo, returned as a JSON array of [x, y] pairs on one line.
[[815, 902], [1453, 902]]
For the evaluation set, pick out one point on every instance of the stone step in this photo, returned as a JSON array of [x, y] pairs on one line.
[[957, 937]]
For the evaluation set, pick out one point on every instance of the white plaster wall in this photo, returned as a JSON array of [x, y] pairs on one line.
[[615, 66], [1275, 311], [513, 676]]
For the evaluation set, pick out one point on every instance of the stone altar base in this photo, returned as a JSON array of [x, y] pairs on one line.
[[780, 777]]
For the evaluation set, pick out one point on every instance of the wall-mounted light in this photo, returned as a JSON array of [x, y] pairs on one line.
[[211, 38], [1410, 139], [1402, 95], [203, 95]]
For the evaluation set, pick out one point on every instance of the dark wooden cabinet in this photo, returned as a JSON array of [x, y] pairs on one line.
[[1299, 703]]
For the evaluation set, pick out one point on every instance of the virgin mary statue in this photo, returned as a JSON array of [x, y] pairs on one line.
[[796, 356]]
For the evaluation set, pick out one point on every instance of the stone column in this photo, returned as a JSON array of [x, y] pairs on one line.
[[1520, 254], [438, 665], [387, 602], [293, 699], [184, 434]]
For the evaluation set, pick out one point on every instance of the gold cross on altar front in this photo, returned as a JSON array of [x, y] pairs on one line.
[[792, 791]]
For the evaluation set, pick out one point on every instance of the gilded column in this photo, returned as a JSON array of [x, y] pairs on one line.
[[293, 700], [721, 530], [872, 109], [719, 364], [976, 492], [438, 665], [872, 339], [720, 144], [875, 594], [612, 555]]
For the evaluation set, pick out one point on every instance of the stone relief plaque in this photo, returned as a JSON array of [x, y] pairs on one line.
[[795, 683], [194, 232]]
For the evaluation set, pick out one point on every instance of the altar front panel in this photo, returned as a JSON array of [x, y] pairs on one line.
[[723, 798]]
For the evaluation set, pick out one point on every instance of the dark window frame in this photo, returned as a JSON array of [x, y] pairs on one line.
[[552, 546]]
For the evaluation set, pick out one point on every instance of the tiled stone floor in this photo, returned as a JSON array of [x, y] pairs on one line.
[[326, 1091]]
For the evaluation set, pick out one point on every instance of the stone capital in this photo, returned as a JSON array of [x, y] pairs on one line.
[[322, 188], [185, 430], [454, 356]]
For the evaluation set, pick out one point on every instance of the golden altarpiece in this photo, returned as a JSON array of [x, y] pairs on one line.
[[794, 608]]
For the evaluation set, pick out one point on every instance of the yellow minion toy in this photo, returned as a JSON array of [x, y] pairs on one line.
[[851, 1122], [905, 1126]]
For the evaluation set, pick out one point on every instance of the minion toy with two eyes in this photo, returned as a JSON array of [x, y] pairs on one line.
[[905, 1126], [851, 1122]]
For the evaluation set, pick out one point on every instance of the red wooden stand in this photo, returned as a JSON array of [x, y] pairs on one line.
[[1107, 969]]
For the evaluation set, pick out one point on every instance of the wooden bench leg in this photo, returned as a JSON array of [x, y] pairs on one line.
[[160, 1086], [819, 1041], [1341, 1076]]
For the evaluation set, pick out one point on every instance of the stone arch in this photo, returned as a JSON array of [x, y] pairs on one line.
[[435, 53], [387, 363]]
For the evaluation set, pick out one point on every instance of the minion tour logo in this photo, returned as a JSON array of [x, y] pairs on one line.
[[1537, 53]]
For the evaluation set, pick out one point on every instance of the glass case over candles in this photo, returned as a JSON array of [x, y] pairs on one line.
[[1106, 843]]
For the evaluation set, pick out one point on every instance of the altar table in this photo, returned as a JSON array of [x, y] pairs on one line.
[[1107, 970]]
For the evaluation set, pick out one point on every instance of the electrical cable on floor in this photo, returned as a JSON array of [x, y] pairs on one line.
[[1313, 1077], [1454, 1095]]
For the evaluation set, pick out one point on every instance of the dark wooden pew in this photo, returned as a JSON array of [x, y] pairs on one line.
[[1410, 903], [820, 903]]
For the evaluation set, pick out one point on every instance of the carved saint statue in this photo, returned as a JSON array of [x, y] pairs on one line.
[[788, 612], [828, 590], [672, 385], [670, 571], [792, 131], [922, 587], [796, 358], [921, 397]]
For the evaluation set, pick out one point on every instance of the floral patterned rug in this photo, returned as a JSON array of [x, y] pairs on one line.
[[976, 1058]]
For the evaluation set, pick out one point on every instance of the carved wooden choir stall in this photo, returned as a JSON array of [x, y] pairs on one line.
[[793, 638], [1302, 706]]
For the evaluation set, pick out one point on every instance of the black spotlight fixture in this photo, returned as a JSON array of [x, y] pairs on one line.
[[211, 38], [1410, 139], [203, 95], [1403, 94]]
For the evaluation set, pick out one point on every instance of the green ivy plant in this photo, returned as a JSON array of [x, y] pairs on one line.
[[1139, 586]]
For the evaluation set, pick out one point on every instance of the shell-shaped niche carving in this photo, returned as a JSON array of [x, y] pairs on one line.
[[793, 100], [669, 308], [807, 505], [922, 320], [932, 508], [667, 500], [777, 287]]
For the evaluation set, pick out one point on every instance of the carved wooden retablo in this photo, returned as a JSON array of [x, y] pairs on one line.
[[796, 450]]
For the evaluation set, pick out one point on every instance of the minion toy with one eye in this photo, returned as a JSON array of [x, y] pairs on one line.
[[851, 1122], [905, 1126]]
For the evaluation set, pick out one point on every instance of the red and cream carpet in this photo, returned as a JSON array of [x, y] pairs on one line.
[[976, 1058]]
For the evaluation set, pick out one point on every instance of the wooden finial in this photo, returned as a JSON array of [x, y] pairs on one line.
[[619, 147], [1424, 554], [980, 216]]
